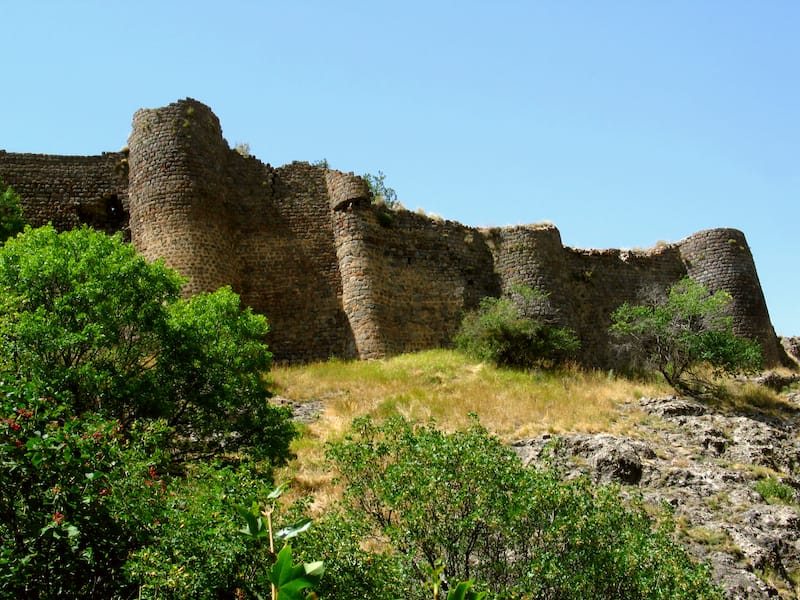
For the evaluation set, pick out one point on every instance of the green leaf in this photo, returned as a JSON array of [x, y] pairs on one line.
[[287, 533], [254, 524], [277, 492], [291, 579], [464, 591]]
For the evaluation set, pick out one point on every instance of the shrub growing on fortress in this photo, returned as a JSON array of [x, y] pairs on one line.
[[507, 332], [381, 193], [466, 500], [682, 333], [82, 314]]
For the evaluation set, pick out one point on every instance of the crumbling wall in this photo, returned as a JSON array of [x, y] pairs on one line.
[[408, 278], [180, 199], [70, 190], [337, 276], [602, 280], [288, 257], [221, 218]]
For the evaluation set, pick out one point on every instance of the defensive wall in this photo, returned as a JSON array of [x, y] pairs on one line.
[[336, 274]]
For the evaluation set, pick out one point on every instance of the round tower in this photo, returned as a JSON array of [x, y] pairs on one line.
[[720, 259], [179, 193], [533, 256], [350, 199]]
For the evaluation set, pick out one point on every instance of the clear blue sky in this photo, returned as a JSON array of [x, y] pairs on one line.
[[623, 123]]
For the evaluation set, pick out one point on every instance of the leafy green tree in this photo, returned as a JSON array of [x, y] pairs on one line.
[[381, 193], [684, 332], [84, 314], [76, 496], [465, 502], [11, 219], [507, 332]]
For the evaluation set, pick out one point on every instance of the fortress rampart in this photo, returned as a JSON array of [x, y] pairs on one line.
[[337, 275]]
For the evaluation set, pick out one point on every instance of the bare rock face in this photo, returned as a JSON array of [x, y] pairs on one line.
[[707, 463], [792, 346]]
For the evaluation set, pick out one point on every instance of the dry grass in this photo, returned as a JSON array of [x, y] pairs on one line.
[[447, 387]]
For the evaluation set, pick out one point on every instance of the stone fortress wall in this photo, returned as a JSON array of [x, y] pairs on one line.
[[336, 275]]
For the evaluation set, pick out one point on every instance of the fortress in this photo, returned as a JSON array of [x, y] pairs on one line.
[[336, 275]]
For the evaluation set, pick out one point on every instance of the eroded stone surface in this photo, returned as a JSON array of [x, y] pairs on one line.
[[705, 463]]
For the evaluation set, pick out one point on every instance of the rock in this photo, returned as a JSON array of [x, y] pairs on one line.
[[738, 583], [672, 406], [302, 412], [792, 346], [606, 458], [777, 381], [704, 462]]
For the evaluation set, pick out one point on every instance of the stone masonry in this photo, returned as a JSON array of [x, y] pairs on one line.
[[336, 275]]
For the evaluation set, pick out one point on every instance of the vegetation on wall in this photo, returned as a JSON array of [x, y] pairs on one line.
[[681, 334], [381, 193]]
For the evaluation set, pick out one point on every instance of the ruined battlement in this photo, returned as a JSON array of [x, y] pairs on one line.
[[337, 275]]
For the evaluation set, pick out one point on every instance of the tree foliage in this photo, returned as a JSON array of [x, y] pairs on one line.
[[82, 314], [464, 501], [511, 331], [381, 193], [688, 329], [11, 219], [76, 495]]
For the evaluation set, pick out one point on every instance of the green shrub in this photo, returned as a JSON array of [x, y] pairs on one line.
[[465, 500], [11, 219], [76, 496], [687, 330], [381, 193], [196, 552], [84, 314], [506, 332], [775, 491]]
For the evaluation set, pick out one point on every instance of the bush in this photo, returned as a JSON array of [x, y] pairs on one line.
[[465, 500], [775, 491], [381, 193], [196, 552], [507, 332], [11, 219], [688, 329], [82, 313], [76, 495]]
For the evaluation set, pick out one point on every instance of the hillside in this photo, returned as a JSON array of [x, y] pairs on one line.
[[727, 467]]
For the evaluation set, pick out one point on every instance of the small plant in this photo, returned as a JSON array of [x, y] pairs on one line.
[[381, 193], [775, 491], [243, 148], [288, 581]]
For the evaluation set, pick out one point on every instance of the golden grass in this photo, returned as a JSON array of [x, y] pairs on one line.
[[447, 387]]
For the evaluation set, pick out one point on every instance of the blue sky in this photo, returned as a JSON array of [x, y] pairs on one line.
[[623, 123]]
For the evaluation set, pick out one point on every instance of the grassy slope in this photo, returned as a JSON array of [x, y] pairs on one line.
[[446, 386]]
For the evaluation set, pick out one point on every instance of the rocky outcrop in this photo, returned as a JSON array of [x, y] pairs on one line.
[[708, 463], [792, 346]]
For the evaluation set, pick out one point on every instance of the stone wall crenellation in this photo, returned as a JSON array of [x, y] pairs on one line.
[[337, 275]]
